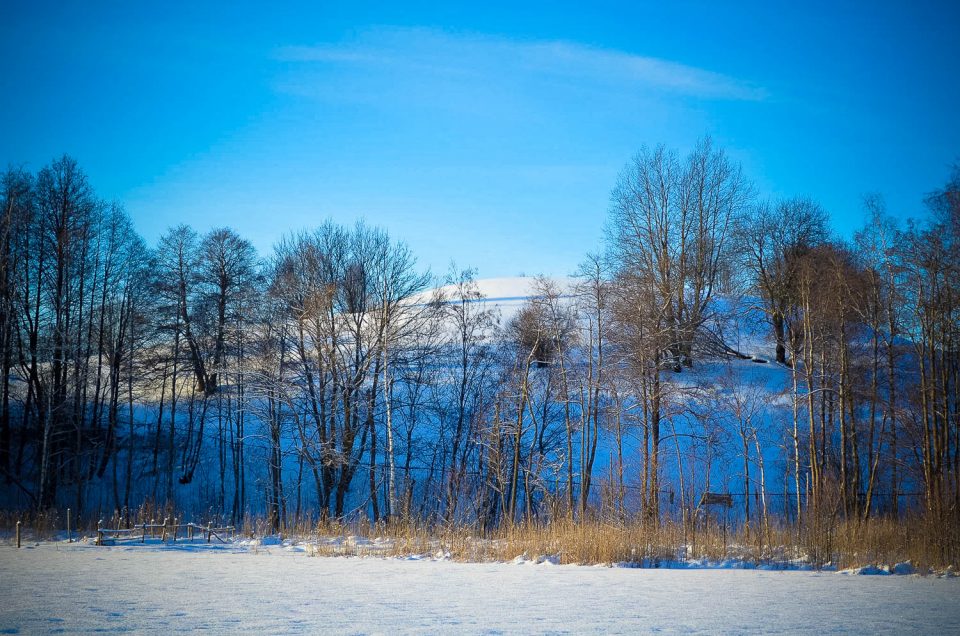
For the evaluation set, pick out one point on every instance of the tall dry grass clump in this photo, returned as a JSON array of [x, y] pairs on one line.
[[41, 525], [926, 541]]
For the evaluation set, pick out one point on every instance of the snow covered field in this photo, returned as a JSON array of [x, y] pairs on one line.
[[56, 587]]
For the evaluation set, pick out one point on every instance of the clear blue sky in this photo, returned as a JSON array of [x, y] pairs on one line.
[[484, 133]]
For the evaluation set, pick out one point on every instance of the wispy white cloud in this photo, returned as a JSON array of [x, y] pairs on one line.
[[422, 52]]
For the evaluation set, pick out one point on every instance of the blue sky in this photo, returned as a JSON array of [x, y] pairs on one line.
[[482, 133]]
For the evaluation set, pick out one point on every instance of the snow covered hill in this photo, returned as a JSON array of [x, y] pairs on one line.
[[505, 295]]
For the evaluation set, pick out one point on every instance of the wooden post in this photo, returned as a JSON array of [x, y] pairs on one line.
[[190, 531], [163, 532], [69, 536], [100, 532], [143, 537], [176, 525], [18, 535], [209, 531]]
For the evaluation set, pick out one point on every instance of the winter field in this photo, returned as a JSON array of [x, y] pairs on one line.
[[56, 587]]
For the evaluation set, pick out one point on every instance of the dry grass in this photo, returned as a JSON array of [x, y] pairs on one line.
[[846, 544], [35, 526], [925, 542]]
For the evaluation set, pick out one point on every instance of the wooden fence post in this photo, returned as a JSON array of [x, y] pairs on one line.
[[176, 526], [18, 535], [163, 532], [100, 532], [143, 538], [69, 535], [209, 531]]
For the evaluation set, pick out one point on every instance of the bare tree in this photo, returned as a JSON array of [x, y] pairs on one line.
[[771, 241], [669, 226]]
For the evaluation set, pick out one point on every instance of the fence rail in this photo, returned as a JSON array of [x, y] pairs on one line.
[[167, 530]]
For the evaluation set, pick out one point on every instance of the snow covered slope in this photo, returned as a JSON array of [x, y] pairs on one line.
[[504, 295]]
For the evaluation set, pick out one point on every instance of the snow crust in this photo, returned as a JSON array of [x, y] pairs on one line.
[[77, 588]]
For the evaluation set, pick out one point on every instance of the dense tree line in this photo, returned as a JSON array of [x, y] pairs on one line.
[[333, 377]]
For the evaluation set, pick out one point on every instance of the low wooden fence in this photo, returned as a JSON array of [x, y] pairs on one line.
[[170, 529]]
